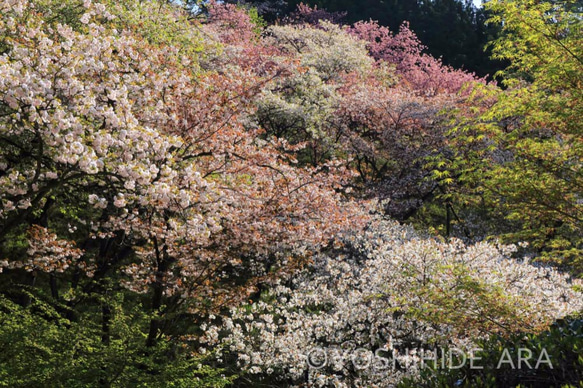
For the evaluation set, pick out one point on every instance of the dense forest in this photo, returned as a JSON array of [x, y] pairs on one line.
[[274, 194]]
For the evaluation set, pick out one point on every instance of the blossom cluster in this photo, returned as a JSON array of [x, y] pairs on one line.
[[123, 133], [387, 291]]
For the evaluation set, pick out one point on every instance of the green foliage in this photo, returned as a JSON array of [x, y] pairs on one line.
[[41, 348], [562, 343], [539, 123], [257, 19], [456, 294], [517, 154], [161, 24], [65, 12]]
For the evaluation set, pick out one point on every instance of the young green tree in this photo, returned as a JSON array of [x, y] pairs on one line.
[[521, 152]]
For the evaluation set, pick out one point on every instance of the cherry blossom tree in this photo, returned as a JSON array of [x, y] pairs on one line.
[[369, 313], [425, 74], [118, 143]]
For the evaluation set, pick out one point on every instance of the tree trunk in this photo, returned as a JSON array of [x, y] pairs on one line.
[[157, 288]]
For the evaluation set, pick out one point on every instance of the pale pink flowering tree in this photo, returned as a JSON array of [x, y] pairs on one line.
[[147, 161], [426, 74], [232, 23]]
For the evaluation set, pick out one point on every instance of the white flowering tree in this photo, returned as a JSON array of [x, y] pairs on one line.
[[373, 311]]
